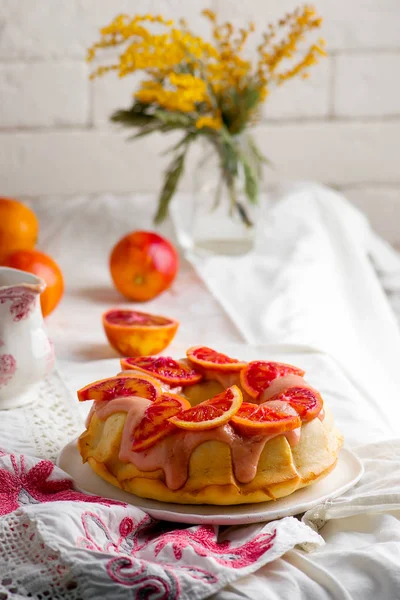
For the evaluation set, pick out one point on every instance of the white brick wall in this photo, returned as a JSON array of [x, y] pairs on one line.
[[341, 127], [43, 94]]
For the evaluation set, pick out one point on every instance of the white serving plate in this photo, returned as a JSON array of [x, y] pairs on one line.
[[346, 474]]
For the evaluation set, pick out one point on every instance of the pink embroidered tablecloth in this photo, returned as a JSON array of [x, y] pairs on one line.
[[56, 542]]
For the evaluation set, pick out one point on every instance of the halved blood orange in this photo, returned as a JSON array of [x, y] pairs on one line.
[[154, 425], [134, 333], [120, 387], [265, 419], [207, 358], [306, 401], [258, 375], [164, 368], [211, 413]]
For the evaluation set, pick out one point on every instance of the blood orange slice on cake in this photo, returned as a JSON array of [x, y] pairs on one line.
[[207, 358], [154, 425], [306, 402], [164, 368], [211, 413], [120, 387], [265, 419], [258, 375]]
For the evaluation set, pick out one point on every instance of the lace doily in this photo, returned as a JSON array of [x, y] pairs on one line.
[[48, 577], [45, 426]]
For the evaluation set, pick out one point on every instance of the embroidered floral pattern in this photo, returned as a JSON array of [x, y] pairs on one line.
[[8, 366], [202, 541], [31, 487], [128, 548], [145, 536], [148, 579], [22, 301]]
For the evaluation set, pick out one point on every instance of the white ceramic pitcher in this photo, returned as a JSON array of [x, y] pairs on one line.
[[26, 353]]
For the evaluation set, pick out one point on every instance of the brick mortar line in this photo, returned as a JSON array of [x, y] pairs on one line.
[[81, 59], [339, 187], [104, 128], [43, 60], [362, 51]]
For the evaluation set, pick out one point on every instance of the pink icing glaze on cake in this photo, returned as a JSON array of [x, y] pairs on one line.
[[172, 454]]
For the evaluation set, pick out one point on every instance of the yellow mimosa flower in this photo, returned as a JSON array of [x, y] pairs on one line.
[[209, 122]]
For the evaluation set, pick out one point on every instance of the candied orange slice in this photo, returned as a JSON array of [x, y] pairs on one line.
[[306, 402], [265, 419], [211, 413], [258, 375], [154, 425], [134, 333], [164, 368], [207, 358], [120, 387]]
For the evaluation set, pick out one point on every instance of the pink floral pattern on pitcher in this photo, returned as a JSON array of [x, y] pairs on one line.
[[8, 366], [22, 301]]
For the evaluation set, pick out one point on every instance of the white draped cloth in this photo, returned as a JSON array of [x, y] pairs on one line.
[[313, 289]]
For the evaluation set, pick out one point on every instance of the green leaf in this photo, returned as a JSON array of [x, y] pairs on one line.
[[229, 154], [250, 182], [243, 214], [218, 194], [257, 152], [251, 97], [173, 118], [172, 177], [134, 117], [187, 139], [146, 130]]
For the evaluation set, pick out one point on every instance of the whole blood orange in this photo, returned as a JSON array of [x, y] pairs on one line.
[[134, 333], [18, 227], [43, 266], [143, 264]]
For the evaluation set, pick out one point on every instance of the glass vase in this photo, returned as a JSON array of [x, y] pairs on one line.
[[218, 218]]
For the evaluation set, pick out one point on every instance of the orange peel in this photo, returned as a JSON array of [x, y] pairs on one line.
[[265, 419], [154, 425], [120, 387], [165, 368], [258, 375], [209, 359], [211, 413]]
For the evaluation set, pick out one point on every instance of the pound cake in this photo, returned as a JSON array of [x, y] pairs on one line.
[[208, 429]]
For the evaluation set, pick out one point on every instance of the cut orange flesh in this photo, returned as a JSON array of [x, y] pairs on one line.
[[154, 425], [164, 368], [211, 413], [134, 333], [306, 402], [258, 375], [120, 387], [254, 419], [207, 358]]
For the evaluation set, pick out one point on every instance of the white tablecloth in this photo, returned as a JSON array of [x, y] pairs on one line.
[[317, 286]]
